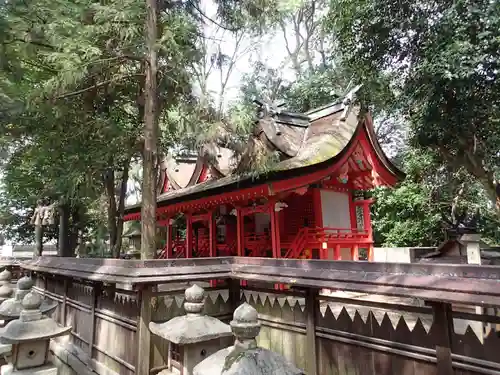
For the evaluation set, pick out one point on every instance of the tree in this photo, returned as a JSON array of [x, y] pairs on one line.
[[82, 65], [442, 62]]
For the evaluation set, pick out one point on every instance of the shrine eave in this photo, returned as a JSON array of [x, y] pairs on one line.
[[323, 154]]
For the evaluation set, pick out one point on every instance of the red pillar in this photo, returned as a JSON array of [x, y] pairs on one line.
[[275, 231], [352, 211], [212, 238], [239, 233], [275, 236], [367, 220], [336, 252], [212, 235], [189, 237], [355, 253], [318, 214], [169, 239], [367, 224]]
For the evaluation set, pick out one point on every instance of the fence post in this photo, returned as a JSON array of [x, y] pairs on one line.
[[312, 308], [443, 323], [143, 333], [64, 298], [95, 294], [234, 293]]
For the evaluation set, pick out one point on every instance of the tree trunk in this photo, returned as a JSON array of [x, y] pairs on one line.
[[78, 243], [148, 212], [64, 249], [109, 185], [115, 250]]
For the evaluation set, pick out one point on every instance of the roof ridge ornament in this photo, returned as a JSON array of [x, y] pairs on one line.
[[268, 108], [348, 101]]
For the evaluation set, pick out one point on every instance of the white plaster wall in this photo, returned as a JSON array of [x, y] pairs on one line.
[[262, 221], [335, 209], [335, 214], [393, 254]]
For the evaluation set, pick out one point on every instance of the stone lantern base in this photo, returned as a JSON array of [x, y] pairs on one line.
[[42, 370]]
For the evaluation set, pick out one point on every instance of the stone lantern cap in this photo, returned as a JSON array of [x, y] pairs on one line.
[[31, 325], [245, 357], [192, 327], [5, 277], [11, 308]]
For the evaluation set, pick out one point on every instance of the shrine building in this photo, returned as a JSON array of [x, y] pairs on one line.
[[310, 204]]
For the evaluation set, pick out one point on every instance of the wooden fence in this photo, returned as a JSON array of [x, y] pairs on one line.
[[322, 334]]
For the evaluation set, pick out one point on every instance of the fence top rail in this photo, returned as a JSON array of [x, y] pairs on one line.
[[471, 284], [133, 271]]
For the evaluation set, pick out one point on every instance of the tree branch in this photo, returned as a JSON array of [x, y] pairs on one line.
[[97, 85]]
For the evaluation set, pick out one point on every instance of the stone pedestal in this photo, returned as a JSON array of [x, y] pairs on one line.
[[43, 370], [191, 337]]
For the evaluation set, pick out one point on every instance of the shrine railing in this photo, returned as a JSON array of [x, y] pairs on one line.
[[109, 304], [332, 237], [258, 243]]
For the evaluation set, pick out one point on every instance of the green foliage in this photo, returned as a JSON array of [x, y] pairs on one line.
[[419, 210], [72, 77], [441, 59]]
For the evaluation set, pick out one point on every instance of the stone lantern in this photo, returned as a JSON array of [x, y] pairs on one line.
[[11, 308], [245, 357], [192, 337], [30, 339], [5, 286]]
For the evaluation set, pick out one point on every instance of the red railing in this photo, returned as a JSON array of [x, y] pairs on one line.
[[315, 237], [257, 244]]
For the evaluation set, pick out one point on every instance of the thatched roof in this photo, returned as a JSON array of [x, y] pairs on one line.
[[304, 142]]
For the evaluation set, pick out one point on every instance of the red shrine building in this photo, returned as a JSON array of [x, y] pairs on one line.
[[309, 204]]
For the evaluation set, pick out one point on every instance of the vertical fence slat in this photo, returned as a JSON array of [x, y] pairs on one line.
[[95, 293], [443, 321], [312, 308], [143, 333]]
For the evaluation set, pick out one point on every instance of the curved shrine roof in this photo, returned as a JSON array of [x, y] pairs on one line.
[[305, 143]]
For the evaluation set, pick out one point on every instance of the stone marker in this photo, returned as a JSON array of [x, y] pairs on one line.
[[192, 337], [245, 357], [30, 339], [11, 308]]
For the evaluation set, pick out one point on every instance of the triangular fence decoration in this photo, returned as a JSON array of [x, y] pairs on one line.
[[298, 313], [327, 320], [272, 299], [360, 326], [260, 301], [276, 311], [287, 312], [344, 321], [253, 302], [281, 300], [385, 330], [266, 308], [490, 346], [246, 295], [467, 344], [402, 333], [420, 336]]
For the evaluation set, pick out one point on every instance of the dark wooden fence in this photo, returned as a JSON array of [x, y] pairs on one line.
[[109, 304]]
